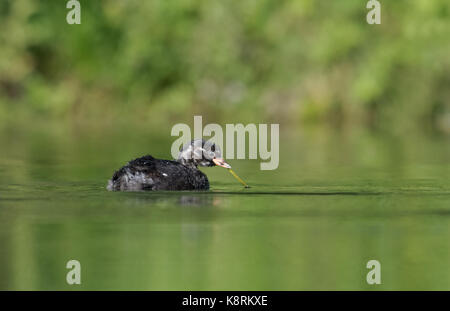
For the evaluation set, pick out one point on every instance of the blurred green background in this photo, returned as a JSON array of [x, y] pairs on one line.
[[311, 62], [364, 114]]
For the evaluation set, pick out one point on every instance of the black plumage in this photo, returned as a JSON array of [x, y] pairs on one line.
[[149, 174]]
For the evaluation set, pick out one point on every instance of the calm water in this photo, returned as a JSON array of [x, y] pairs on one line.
[[336, 201]]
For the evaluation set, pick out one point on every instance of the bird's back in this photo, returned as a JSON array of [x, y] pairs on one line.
[[148, 173]]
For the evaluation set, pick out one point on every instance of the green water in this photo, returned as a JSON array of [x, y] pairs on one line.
[[335, 202]]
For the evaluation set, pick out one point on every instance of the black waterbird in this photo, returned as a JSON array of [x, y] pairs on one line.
[[148, 173]]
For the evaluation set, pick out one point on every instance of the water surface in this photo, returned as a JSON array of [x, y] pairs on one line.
[[335, 202]]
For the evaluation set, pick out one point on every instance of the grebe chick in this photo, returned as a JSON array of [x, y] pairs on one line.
[[149, 174]]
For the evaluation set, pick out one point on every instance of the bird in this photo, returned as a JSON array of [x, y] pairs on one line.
[[150, 174]]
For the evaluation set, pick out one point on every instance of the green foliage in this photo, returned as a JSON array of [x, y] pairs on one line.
[[303, 61]]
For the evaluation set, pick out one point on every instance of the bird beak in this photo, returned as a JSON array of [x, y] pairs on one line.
[[221, 162]]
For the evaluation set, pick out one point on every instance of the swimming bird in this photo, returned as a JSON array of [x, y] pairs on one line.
[[149, 173]]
